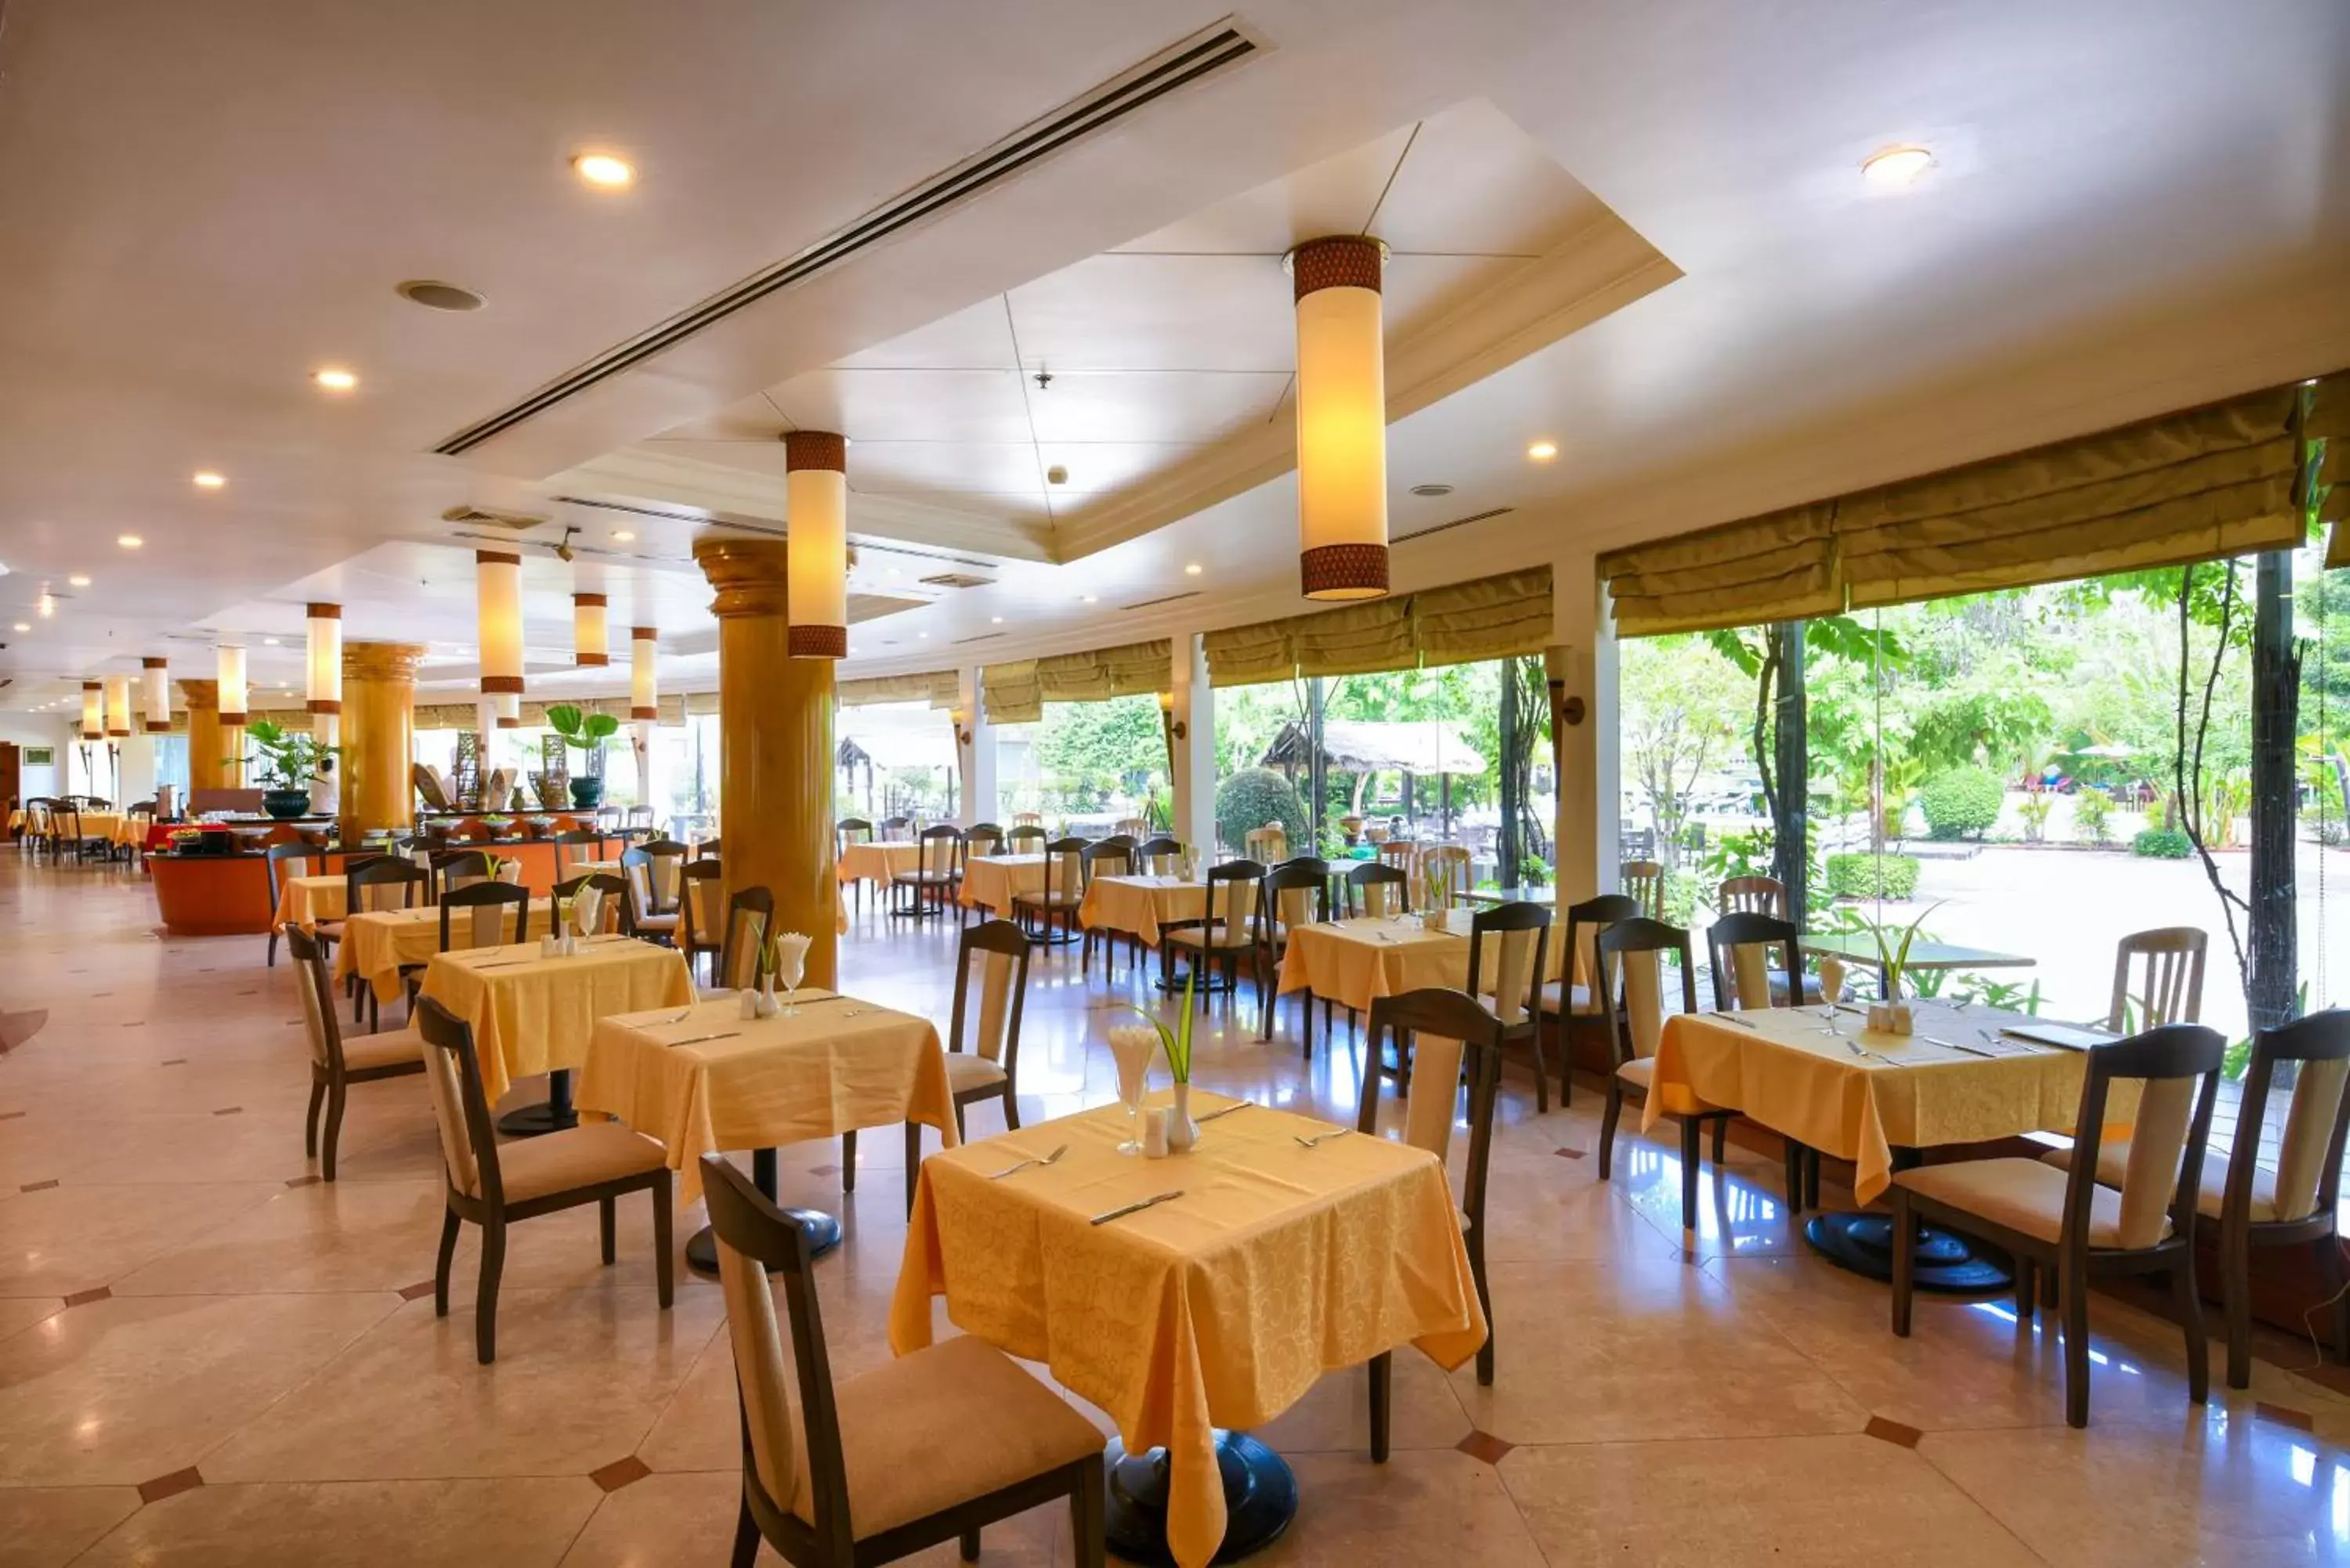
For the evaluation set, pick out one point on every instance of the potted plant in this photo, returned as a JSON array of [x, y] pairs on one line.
[[1892, 1015], [587, 732], [1182, 1132], [287, 764]]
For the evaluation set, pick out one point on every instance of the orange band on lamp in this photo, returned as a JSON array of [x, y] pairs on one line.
[[590, 646], [155, 696], [815, 568], [498, 583], [323, 677], [93, 710], [644, 688], [117, 706], [232, 687], [1342, 419]]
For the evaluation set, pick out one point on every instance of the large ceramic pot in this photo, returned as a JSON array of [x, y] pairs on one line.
[[587, 792], [286, 803]]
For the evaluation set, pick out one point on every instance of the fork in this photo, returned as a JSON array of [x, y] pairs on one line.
[[1035, 1159], [1323, 1138]]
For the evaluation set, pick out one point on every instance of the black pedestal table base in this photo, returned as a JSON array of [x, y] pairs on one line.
[[823, 1229], [553, 1115], [1260, 1500], [1947, 1262]]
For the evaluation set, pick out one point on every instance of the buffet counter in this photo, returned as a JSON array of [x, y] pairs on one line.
[[201, 895]]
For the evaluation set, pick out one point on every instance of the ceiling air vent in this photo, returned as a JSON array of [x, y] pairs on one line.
[[982, 637], [473, 517], [957, 580], [1205, 53], [1456, 523], [1170, 599]]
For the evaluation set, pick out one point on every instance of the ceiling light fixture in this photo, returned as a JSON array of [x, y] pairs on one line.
[[129, 541], [436, 296], [590, 644], [322, 669], [1342, 418], [644, 677], [996, 621], [815, 568], [604, 170], [334, 379], [1431, 491], [1194, 569], [1088, 598], [269, 642], [1896, 166], [1542, 451], [208, 480], [497, 578], [23, 625], [78, 580], [624, 536]]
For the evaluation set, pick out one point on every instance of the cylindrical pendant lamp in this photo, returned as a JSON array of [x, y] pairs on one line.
[[93, 710], [117, 706], [1342, 419], [816, 567], [232, 688], [323, 681], [155, 698], [644, 688], [498, 583], [589, 647]]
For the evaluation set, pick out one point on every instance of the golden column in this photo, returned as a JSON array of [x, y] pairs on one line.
[[378, 732], [774, 747], [209, 746]]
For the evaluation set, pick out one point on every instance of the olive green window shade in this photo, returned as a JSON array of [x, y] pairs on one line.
[[1010, 693], [1490, 617], [1778, 566], [936, 687], [1131, 670]]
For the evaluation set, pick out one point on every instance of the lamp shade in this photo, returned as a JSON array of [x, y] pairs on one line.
[[232, 688], [324, 677], [644, 688], [508, 709], [93, 710], [816, 585], [498, 583], [589, 647], [155, 695], [118, 705], [1342, 419]]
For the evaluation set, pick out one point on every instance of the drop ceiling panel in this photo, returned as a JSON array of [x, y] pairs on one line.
[[1336, 196], [993, 506], [908, 405], [1474, 183], [979, 338], [1169, 406], [902, 467], [753, 418], [1124, 312]]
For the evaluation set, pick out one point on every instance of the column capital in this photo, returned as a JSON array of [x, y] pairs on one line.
[[748, 574], [203, 696], [382, 660]]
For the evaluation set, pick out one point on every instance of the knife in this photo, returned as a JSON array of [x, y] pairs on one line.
[[1136, 1207], [698, 1039]]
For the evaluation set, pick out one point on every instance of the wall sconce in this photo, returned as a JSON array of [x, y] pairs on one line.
[[960, 718], [1176, 729]]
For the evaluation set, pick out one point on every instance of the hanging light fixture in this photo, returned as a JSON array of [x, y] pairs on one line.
[[323, 674], [498, 582], [155, 699], [644, 691], [1342, 419], [816, 585], [232, 688], [590, 646], [93, 710], [117, 707]]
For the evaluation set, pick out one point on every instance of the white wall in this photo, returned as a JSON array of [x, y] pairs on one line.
[[37, 730]]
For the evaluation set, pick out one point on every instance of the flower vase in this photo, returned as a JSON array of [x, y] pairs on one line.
[[1182, 1132], [768, 1005]]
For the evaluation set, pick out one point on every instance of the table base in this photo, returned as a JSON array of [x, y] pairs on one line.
[[553, 1115], [1260, 1500], [1947, 1262], [823, 1229]]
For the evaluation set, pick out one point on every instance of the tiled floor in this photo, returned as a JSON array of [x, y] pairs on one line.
[[208, 1358]]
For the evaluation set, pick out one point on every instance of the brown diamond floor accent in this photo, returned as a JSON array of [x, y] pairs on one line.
[[620, 1473], [825, 1171], [304, 1180], [1484, 1446], [1893, 1432], [83, 1298], [176, 1061], [417, 1291], [12, 1115], [1568, 1152], [134, 1023], [37, 1186], [230, 1111], [2284, 1416], [171, 1485]]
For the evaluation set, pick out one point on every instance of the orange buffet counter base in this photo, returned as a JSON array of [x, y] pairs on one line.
[[228, 895]]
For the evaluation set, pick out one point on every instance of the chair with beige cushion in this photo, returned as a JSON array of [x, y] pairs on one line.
[[1375, 890], [2168, 987], [1268, 844], [1643, 881], [1111, 857], [1631, 954], [924, 1448], [484, 915], [1509, 950], [280, 861], [936, 877], [336, 1063], [590, 905], [1293, 894], [495, 1186], [1224, 933], [373, 887], [2291, 1206], [1049, 915], [652, 870], [2064, 1222], [1575, 1002], [701, 926], [1160, 857], [1400, 853], [750, 915], [455, 868], [986, 1069], [1738, 951], [1432, 1030]]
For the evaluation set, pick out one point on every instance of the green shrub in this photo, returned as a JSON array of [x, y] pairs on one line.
[[1254, 796], [2091, 808], [1864, 876], [2163, 843], [1962, 803]]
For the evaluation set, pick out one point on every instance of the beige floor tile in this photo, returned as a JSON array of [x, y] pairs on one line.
[[46, 1527], [1334, 1416], [127, 1390], [702, 1427], [65, 1239], [20, 1313], [1423, 1507], [526, 1523], [1826, 1502], [346, 1236]]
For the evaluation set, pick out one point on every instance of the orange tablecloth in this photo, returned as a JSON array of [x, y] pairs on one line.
[[1219, 1309], [532, 1014], [304, 901], [375, 946], [838, 1065], [878, 862], [1141, 905], [991, 881]]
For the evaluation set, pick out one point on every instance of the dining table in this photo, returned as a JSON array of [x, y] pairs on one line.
[[379, 945], [1859, 948], [878, 860], [305, 901], [1819, 1077], [991, 882], [533, 1014], [1357, 961], [1194, 1298], [704, 1078]]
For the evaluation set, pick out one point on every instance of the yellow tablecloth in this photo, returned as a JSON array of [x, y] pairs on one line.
[[1141, 905], [375, 946], [1219, 1309], [304, 901], [1354, 963], [103, 825], [991, 881], [838, 1065], [878, 862], [1789, 1074], [532, 1014]]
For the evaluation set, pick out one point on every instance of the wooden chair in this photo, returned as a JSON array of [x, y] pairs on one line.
[[570, 848], [1295, 893], [1223, 933], [1376, 889], [1134, 828], [700, 928], [1268, 844], [456, 869], [1635, 1022], [926, 1448], [1160, 857], [475, 916], [2169, 989], [273, 863], [1752, 896], [336, 1063], [1034, 819], [981, 841], [937, 875], [851, 830], [1573, 1006], [750, 915], [2063, 1220], [1738, 952], [652, 871], [1400, 853], [1025, 838], [1438, 1018], [371, 888], [1111, 857], [495, 1186], [139, 821], [1055, 903], [986, 1070], [1448, 864], [1512, 984], [1643, 881]]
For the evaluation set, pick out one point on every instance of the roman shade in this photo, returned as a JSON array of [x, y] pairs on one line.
[[1355, 640], [1777, 566], [1245, 655], [465, 716], [2327, 419], [1130, 670], [1010, 693], [936, 687], [1492, 618], [1489, 617]]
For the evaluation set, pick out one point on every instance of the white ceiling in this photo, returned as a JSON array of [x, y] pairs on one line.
[[2137, 204]]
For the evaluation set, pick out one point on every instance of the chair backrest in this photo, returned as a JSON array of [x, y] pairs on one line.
[[638, 817], [651, 868], [2169, 988], [1136, 827], [1064, 868], [1752, 896], [1738, 949], [1001, 949], [1630, 954], [1025, 838], [709, 850], [1294, 893], [588, 903], [1585, 921], [571, 847], [942, 851], [384, 883], [1400, 852], [68, 818], [1644, 883], [851, 830], [2310, 1144], [456, 869], [1231, 889], [1446, 870], [2178, 1068], [981, 840], [1034, 819], [275, 861], [700, 883], [896, 827], [1440, 1025], [452, 1073], [1269, 844], [1519, 937], [756, 1241], [1160, 857], [1111, 857], [319, 1014], [1375, 887], [475, 916], [750, 915]]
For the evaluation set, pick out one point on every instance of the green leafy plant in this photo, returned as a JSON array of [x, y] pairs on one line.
[[1961, 803], [1176, 1042], [2092, 811], [1979, 991], [1860, 875], [2033, 810], [2163, 843], [287, 761], [1252, 798], [583, 730], [1892, 958]]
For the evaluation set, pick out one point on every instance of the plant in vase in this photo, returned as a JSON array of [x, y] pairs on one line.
[[287, 762], [1177, 1043], [1891, 1013], [585, 732]]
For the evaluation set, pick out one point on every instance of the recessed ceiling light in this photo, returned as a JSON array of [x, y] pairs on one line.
[[624, 536], [78, 581], [436, 296], [1542, 451], [208, 480], [1088, 598], [269, 642], [925, 637], [604, 170], [1896, 165], [996, 621], [334, 379], [129, 541], [1193, 570], [1431, 489], [23, 625]]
